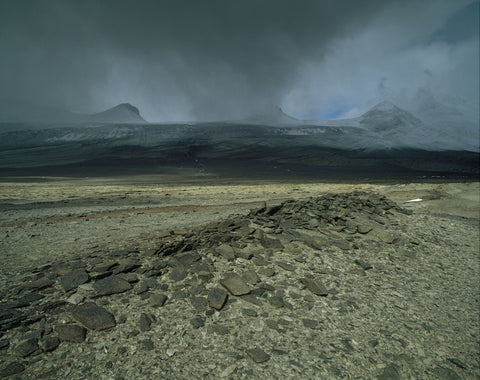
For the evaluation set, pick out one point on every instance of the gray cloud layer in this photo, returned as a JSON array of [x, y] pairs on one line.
[[225, 59]]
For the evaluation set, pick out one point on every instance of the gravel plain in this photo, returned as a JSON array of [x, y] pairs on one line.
[[330, 280]]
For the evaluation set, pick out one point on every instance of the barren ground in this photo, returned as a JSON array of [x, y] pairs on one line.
[[48, 220]]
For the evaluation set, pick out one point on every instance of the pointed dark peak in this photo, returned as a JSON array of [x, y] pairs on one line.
[[122, 113], [128, 107]]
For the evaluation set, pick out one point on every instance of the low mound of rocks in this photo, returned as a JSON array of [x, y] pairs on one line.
[[256, 285]]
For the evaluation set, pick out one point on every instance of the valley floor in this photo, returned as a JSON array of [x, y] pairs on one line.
[[412, 312]]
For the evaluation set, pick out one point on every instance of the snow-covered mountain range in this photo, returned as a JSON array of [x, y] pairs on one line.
[[18, 112], [120, 134]]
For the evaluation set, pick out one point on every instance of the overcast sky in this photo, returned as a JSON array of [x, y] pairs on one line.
[[225, 59]]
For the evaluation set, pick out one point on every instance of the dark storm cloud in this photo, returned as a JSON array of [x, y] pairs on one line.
[[189, 59]]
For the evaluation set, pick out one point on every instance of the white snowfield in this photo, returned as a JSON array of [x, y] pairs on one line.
[[385, 126]]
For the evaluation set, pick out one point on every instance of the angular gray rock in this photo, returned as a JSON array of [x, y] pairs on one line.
[[251, 277], [157, 300], [26, 347], [178, 274], [93, 316], [315, 287], [144, 323], [49, 343], [226, 251], [286, 266], [364, 265], [217, 298], [235, 284], [111, 285], [197, 322], [71, 333], [74, 278], [364, 229], [12, 369], [258, 355], [39, 284]]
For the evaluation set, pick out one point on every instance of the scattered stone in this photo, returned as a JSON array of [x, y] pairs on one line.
[[218, 329], [105, 266], [49, 343], [73, 279], [197, 322], [71, 333], [315, 243], [286, 266], [245, 253], [129, 277], [363, 264], [386, 237], [342, 244], [235, 284], [442, 373], [457, 362], [271, 243], [26, 347], [276, 301], [315, 287], [228, 371], [111, 285], [30, 298], [310, 323], [217, 298], [390, 372], [76, 298], [148, 345], [93, 317], [4, 343], [144, 323], [178, 274], [126, 266], [12, 369], [39, 284], [226, 251], [199, 303], [252, 299], [260, 261], [251, 277], [141, 288], [364, 229], [250, 312], [267, 272], [157, 300], [188, 258], [258, 355]]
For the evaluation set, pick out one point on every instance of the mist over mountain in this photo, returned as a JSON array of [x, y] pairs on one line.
[[123, 113], [13, 112], [271, 116]]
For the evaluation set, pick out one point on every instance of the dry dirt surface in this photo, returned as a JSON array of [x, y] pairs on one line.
[[147, 277]]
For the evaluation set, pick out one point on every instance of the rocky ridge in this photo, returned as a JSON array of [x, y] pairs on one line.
[[322, 287]]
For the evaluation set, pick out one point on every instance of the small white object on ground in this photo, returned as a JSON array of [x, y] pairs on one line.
[[414, 200]]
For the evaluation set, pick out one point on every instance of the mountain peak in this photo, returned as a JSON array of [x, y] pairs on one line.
[[387, 116], [122, 113], [128, 107]]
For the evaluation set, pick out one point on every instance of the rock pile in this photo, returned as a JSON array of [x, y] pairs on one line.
[[280, 263]]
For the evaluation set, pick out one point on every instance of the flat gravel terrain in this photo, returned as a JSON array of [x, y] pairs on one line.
[[145, 276]]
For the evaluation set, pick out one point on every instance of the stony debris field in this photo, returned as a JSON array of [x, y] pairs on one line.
[[342, 285]]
